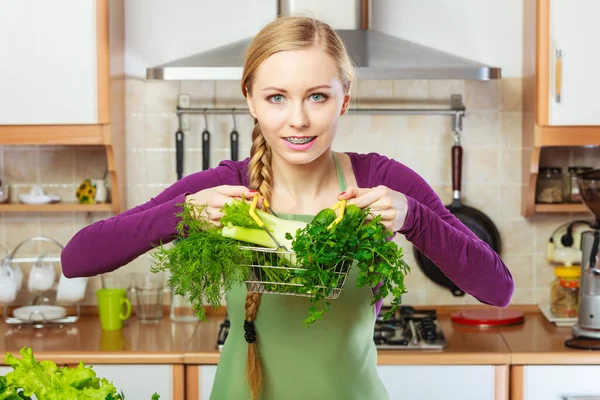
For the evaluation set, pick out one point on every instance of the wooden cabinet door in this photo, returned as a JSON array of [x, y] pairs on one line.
[[49, 67], [574, 52]]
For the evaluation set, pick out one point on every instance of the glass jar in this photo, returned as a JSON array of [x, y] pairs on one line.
[[549, 186], [572, 194], [564, 291]]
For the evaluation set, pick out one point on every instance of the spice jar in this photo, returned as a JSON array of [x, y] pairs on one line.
[[572, 194], [564, 291], [549, 186]]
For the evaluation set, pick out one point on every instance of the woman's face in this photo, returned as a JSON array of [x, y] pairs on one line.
[[297, 98]]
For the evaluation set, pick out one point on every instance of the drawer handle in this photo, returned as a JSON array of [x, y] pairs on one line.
[[558, 78], [581, 398]]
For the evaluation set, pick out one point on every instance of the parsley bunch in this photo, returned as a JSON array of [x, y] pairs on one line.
[[357, 237]]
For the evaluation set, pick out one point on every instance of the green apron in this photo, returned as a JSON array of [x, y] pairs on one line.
[[334, 358]]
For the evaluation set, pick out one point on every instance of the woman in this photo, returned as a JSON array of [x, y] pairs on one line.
[[297, 80]]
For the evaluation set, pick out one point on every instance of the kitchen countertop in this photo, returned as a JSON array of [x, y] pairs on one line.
[[163, 342], [535, 342]]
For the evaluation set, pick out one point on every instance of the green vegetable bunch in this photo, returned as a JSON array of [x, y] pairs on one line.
[[208, 260], [46, 381]]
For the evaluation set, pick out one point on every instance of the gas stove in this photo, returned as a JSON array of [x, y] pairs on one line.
[[407, 329]]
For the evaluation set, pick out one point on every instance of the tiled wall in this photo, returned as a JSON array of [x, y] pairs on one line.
[[491, 180]]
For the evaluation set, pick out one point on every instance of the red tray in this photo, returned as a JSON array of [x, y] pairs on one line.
[[488, 317]]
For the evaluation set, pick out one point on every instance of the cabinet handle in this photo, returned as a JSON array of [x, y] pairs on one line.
[[581, 398], [558, 78]]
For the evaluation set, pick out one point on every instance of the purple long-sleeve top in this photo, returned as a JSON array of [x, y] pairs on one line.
[[465, 259]]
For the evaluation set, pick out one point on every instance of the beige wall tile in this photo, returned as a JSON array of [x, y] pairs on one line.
[[517, 236], [160, 167], [135, 128], [411, 92], [20, 164], [159, 131], [482, 95], [511, 131], [481, 129], [160, 97], [56, 164], [511, 94], [90, 162], [510, 167], [202, 93], [135, 96], [441, 90], [18, 227]]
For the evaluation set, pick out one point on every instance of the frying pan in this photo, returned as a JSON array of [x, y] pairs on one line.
[[479, 223]]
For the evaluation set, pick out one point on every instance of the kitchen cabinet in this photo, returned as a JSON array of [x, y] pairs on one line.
[[464, 382], [140, 381], [543, 382], [560, 86], [62, 80], [50, 76], [199, 381], [143, 380]]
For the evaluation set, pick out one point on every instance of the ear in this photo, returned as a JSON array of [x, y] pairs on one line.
[[250, 102], [345, 104]]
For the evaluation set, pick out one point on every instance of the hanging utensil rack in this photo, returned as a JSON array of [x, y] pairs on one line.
[[456, 110]]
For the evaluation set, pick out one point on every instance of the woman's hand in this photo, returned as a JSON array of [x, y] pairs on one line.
[[391, 205], [217, 197]]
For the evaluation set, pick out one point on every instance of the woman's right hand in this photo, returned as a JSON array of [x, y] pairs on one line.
[[217, 197]]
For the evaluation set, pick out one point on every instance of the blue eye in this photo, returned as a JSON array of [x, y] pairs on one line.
[[318, 97], [277, 98]]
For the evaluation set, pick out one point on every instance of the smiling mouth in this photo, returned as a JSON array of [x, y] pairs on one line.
[[300, 140]]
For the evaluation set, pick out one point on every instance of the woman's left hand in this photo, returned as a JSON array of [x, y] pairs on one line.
[[391, 205]]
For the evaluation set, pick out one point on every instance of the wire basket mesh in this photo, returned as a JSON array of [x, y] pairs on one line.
[[273, 271]]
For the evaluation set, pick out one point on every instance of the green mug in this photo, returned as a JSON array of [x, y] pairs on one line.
[[110, 308]]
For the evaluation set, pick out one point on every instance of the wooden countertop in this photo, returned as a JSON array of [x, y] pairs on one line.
[[145, 343], [539, 341], [535, 342]]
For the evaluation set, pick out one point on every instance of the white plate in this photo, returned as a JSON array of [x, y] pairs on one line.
[[45, 199], [556, 320], [39, 313]]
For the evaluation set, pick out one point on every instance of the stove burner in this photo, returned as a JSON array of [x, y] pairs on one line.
[[407, 329]]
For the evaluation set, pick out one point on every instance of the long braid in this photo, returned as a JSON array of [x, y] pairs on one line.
[[261, 179]]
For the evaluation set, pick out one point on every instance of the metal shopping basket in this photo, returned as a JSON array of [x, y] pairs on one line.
[[275, 270]]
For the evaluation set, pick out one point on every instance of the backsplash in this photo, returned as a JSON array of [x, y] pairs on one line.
[[491, 169]]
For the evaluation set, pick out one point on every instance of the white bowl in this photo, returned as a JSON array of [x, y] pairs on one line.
[[39, 313], [44, 199]]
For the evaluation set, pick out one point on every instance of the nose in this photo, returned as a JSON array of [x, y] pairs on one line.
[[298, 117]]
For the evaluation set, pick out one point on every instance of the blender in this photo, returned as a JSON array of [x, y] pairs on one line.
[[586, 331]]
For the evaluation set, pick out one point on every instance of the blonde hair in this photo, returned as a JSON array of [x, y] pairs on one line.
[[283, 34]]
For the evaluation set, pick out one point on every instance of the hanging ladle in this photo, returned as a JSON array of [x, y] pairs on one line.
[[205, 144], [234, 139]]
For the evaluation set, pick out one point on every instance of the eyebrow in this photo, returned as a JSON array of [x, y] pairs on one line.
[[285, 91]]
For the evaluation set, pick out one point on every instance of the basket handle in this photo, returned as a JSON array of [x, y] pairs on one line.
[[252, 211], [342, 206]]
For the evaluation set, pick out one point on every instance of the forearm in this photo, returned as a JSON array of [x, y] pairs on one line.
[[109, 244], [468, 261]]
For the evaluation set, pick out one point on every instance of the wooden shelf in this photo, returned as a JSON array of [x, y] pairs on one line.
[[56, 207], [548, 136], [560, 208]]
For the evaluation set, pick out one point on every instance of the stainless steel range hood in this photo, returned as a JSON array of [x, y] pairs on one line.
[[377, 56]]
